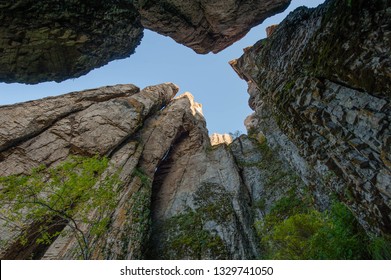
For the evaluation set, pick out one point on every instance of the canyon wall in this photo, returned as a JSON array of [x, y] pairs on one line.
[[320, 87], [57, 40], [123, 173], [177, 196]]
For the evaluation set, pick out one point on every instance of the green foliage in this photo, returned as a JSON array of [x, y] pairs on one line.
[[295, 230], [188, 237], [289, 85], [140, 217], [280, 211], [340, 237], [145, 180], [185, 235], [66, 194], [290, 238], [380, 248]]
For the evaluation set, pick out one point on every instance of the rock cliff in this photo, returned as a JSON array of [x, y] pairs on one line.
[[57, 40], [206, 26], [123, 173], [177, 196], [320, 88]]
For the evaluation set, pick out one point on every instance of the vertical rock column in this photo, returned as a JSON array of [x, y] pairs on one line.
[[320, 89]]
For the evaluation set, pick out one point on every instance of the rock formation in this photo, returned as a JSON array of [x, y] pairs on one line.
[[57, 40], [206, 26], [216, 139], [320, 87], [174, 185]]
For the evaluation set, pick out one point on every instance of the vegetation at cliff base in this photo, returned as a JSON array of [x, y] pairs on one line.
[[67, 194], [294, 230]]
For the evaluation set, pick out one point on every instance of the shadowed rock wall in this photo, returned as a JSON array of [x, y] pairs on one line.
[[320, 88], [56, 40]]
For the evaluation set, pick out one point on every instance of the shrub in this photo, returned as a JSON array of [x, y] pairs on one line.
[[295, 230], [62, 195]]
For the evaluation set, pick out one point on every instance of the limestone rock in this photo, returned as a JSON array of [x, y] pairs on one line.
[[28, 119], [57, 40], [192, 201], [320, 89]]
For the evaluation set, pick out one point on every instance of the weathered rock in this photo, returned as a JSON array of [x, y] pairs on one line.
[[57, 40], [216, 139], [174, 186], [320, 87], [206, 26], [100, 121], [198, 195], [25, 120], [270, 29]]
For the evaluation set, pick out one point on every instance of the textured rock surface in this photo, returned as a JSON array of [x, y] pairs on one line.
[[56, 40], [205, 25], [87, 123], [175, 186], [216, 139], [199, 195], [320, 87]]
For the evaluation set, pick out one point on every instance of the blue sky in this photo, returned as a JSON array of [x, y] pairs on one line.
[[160, 59]]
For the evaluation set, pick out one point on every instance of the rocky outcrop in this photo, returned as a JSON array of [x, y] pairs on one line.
[[57, 40], [175, 197], [320, 88], [216, 139], [94, 122], [159, 187], [206, 26]]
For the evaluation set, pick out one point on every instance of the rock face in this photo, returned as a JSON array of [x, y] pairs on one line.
[[216, 139], [320, 87], [57, 40], [206, 26], [93, 122], [174, 185]]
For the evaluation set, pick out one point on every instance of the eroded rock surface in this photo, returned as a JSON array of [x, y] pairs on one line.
[[204, 25], [57, 40], [93, 122], [174, 185], [320, 88], [216, 139]]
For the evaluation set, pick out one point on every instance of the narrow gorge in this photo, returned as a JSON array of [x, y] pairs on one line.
[[120, 172]]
